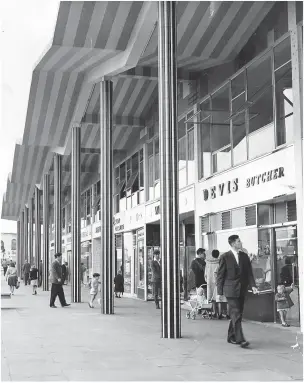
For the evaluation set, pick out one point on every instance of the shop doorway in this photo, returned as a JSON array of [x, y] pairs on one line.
[[286, 268]]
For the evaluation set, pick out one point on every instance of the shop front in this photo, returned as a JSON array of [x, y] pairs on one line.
[[130, 256], [257, 202]]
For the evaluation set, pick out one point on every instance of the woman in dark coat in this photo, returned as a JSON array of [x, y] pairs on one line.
[[119, 284]]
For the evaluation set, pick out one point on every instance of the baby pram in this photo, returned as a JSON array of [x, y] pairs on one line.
[[198, 302]]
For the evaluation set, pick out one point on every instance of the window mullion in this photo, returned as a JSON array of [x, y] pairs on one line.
[[246, 114], [231, 124], [274, 101]]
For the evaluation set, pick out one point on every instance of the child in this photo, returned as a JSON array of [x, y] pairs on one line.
[[119, 284], [94, 288], [284, 302], [34, 278]]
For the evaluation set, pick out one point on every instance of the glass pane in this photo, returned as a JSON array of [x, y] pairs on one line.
[[280, 212], [205, 148], [141, 155], [238, 218], [262, 262], [157, 174], [221, 160], [156, 145], [239, 139], [284, 104], [151, 177], [128, 255], [150, 148], [282, 53], [122, 171], [287, 267], [141, 175], [220, 130], [261, 127], [182, 151], [264, 215], [238, 85], [191, 163], [181, 128], [135, 163]]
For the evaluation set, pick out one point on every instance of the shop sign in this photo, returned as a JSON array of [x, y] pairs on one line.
[[118, 225], [254, 182], [134, 218], [98, 229], [153, 212], [232, 186]]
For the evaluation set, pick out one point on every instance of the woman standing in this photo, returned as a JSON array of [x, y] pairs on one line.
[[12, 277], [212, 265]]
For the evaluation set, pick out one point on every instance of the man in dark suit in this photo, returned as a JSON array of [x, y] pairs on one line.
[[64, 273], [156, 277], [234, 276], [56, 279]]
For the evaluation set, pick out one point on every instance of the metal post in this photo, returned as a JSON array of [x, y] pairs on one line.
[[297, 81], [57, 203], [106, 196], [75, 213], [169, 218], [18, 258], [46, 237], [31, 232], [25, 236], [21, 246], [37, 227]]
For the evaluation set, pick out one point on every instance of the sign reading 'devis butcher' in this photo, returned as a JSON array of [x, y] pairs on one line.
[[234, 185]]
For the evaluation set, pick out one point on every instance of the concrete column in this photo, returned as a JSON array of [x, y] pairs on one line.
[[18, 258], [46, 236], [169, 218], [57, 203], [106, 196], [31, 232], [37, 227], [25, 234], [75, 213], [21, 243], [297, 78]]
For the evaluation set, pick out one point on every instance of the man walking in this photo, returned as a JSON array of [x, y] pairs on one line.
[[5, 266], [64, 273], [26, 272], [156, 277], [56, 279], [40, 268], [234, 276], [198, 266]]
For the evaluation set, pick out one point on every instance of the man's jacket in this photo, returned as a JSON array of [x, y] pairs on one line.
[[56, 273], [233, 279]]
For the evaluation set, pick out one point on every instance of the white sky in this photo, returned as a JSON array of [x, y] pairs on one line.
[[27, 27]]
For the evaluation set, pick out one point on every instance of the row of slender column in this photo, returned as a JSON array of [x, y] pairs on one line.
[[30, 232], [169, 191]]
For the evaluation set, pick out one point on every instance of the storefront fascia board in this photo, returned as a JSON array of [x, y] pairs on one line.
[[257, 181]]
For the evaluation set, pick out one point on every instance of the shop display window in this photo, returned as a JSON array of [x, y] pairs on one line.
[[264, 215], [128, 255], [262, 262]]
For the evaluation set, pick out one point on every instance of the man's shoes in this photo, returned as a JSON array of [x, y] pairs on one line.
[[66, 305], [244, 344], [53, 307], [232, 341]]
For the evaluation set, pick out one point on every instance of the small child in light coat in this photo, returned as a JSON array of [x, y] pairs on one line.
[[94, 288], [284, 302]]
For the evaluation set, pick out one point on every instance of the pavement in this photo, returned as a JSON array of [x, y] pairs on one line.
[[81, 344]]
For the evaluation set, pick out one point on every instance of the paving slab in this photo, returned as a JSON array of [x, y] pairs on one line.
[[81, 344]]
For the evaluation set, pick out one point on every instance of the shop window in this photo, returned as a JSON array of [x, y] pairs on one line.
[[239, 139], [264, 215], [151, 177], [190, 160], [262, 261], [291, 211], [249, 238], [283, 92], [260, 101], [250, 215], [205, 139], [238, 217], [215, 222], [280, 212], [220, 130]]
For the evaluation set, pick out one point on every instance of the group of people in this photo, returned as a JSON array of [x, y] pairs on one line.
[[225, 280]]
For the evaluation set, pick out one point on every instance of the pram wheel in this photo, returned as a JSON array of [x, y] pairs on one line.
[[193, 316], [188, 315]]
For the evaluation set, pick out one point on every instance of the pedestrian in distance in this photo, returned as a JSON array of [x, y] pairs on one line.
[[26, 272], [56, 280], [40, 268], [94, 285], [198, 266], [212, 265], [34, 278], [156, 277], [12, 277], [119, 284], [284, 302], [5, 266], [234, 277]]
